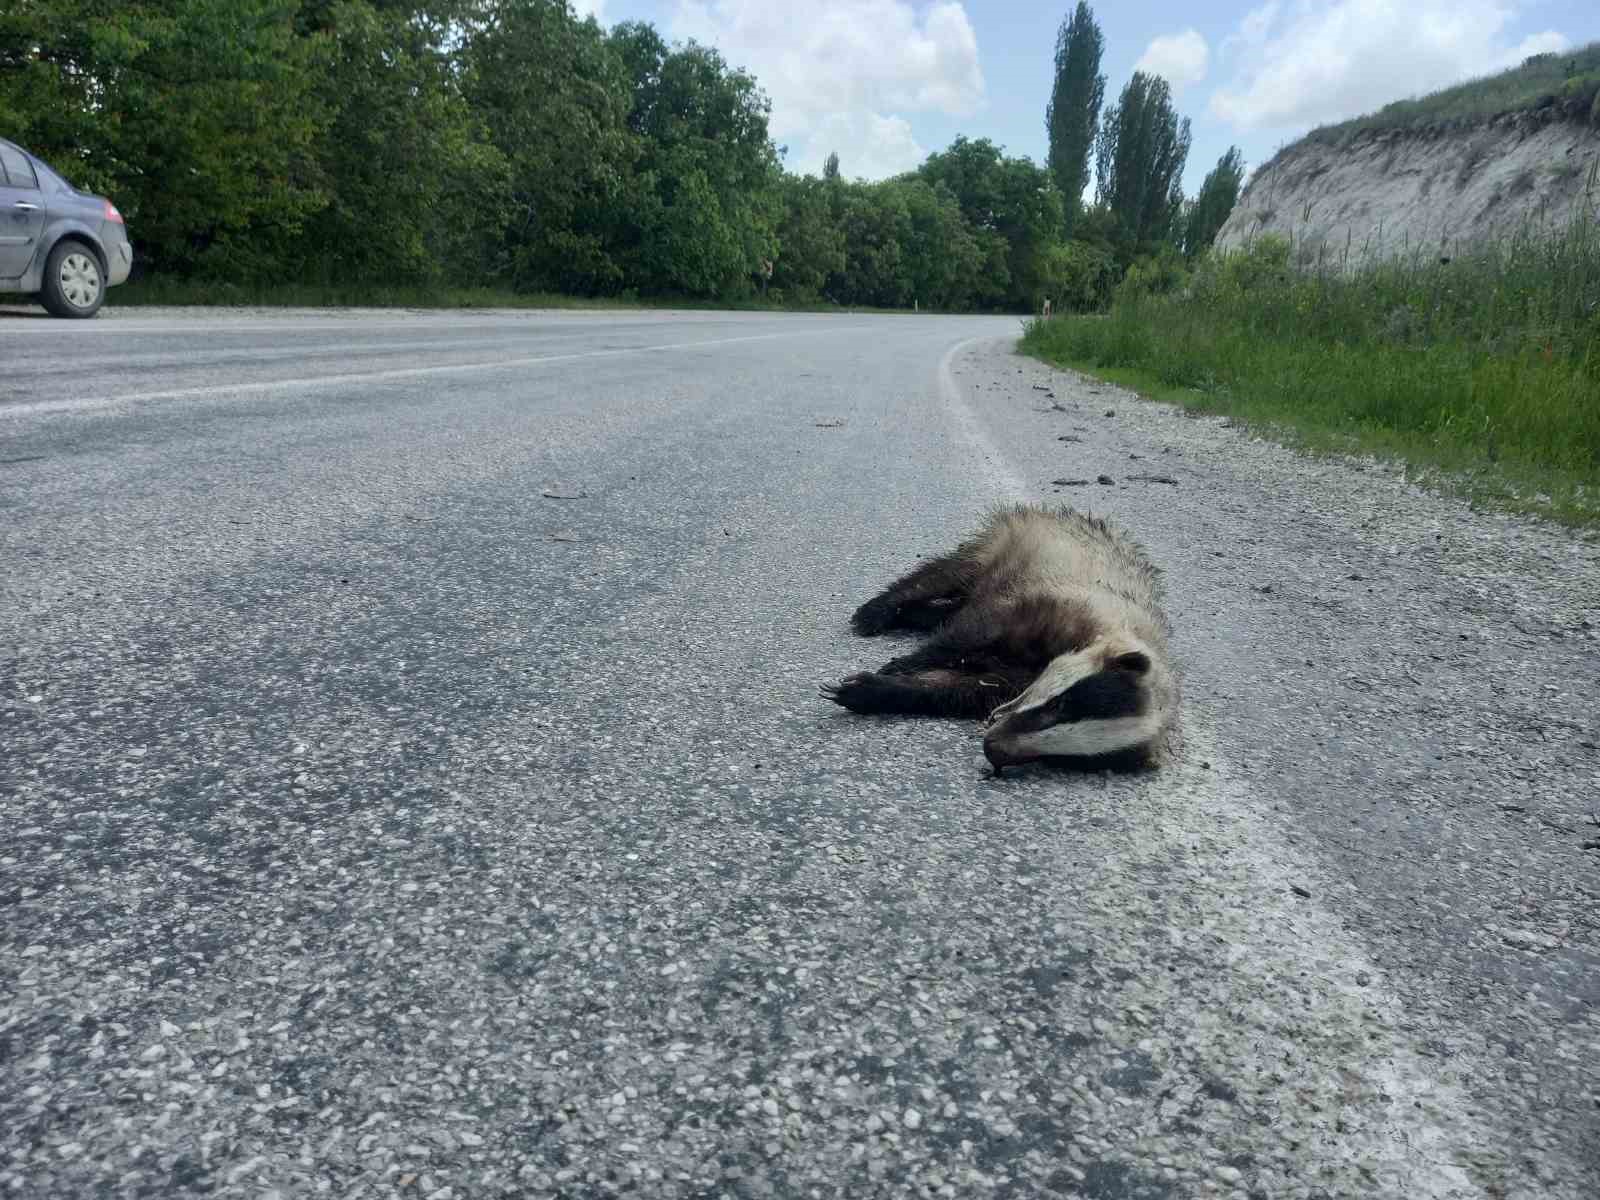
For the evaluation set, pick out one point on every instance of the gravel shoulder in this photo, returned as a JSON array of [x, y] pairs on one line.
[[1407, 686]]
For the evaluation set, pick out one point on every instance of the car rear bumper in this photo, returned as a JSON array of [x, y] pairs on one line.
[[119, 254]]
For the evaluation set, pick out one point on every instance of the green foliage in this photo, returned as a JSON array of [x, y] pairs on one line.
[[1158, 274], [1072, 117], [556, 103], [395, 108], [1487, 364], [1140, 154], [470, 147], [200, 116], [1008, 199], [1077, 276], [705, 216], [1218, 194], [943, 260], [876, 227], [1253, 269], [811, 246]]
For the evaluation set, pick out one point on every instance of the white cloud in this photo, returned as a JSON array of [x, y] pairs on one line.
[[1326, 61], [591, 8], [1252, 29], [869, 146], [1179, 58], [1548, 42], [845, 77]]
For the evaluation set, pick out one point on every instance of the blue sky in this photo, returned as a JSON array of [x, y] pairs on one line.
[[884, 82]]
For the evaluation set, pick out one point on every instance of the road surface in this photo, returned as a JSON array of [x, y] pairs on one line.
[[415, 783]]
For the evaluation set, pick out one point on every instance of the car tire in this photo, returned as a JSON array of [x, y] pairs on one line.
[[74, 283]]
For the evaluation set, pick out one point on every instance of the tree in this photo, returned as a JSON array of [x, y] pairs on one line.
[[1077, 275], [555, 98], [1140, 152], [941, 256], [810, 244], [876, 228], [1218, 194], [706, 209], [830, 166], [199, 116], [1072, 116], [416, 191], [1004, 200]]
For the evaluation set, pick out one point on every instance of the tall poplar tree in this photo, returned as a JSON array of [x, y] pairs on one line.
[[1073, 114], [1218, 194], [1139, 157]]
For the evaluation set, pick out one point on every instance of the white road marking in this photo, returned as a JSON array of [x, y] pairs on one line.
[[115, 403], [1402, 1116], [288, 321], [190, 357], [1006, 481]]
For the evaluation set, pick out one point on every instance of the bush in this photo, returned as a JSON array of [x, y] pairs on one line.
[[1264, 261], [1077, 276], [1159, 274]]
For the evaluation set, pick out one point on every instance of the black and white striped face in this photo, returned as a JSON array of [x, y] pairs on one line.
[[1095, 703]]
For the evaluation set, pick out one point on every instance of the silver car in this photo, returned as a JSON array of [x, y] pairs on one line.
[[61, 245]]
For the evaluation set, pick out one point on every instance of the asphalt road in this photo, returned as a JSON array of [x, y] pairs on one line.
[[374, 823]]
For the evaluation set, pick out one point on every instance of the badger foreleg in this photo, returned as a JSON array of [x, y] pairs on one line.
[[922, 599], [931, 692]]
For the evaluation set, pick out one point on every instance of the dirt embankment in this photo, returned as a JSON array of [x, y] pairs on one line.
[[1377, 194]]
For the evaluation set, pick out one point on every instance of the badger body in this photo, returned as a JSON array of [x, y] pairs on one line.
[[1047, 622]]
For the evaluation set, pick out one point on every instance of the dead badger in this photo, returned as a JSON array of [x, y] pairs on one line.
[[1048, 622]]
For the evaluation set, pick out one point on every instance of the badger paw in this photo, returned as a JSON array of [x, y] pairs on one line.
[[863, 692], [876, 616]]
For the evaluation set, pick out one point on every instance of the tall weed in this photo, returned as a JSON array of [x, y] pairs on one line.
[[1484, 362]]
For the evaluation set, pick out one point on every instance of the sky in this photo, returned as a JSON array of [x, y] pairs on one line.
[[886, 82]]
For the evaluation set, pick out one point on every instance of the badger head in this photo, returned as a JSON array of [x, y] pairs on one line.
[[1103, 705]]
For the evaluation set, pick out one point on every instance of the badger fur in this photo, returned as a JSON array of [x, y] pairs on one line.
[[1049, 623]]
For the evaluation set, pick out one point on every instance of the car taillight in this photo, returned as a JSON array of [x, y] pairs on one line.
[[112, 214]]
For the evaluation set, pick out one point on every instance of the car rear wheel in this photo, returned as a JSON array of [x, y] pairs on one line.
[[74, 285]]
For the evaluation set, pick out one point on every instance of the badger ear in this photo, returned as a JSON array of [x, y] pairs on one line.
[[1136, 661]]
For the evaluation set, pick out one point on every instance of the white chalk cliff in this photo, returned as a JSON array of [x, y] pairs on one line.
[[1347, 198]]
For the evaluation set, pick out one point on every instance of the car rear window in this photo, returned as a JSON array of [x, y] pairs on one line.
[[18, 170]]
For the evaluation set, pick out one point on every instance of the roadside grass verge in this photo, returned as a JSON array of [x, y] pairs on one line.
[[153, 291], [1481, 374]]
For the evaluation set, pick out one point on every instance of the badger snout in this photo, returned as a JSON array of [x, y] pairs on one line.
[[1002, 752]]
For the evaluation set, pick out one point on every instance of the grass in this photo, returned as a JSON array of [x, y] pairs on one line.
[[207, 293], [1481, 374], [1571, 80]]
